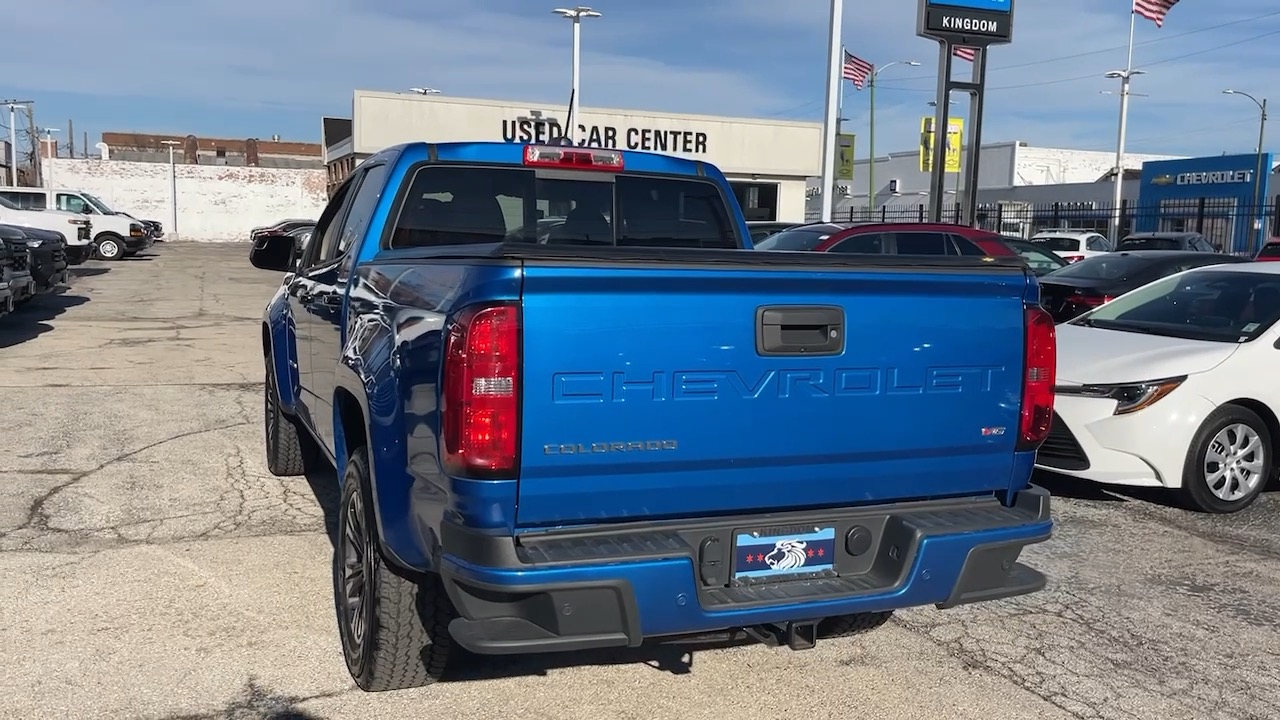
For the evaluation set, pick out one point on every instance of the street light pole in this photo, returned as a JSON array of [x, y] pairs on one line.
[[575, 14], [173, 188], [1257, 216], [871, 135], [1125, 76]]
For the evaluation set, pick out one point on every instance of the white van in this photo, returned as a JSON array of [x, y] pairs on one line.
[[114, 236], [75, 227]]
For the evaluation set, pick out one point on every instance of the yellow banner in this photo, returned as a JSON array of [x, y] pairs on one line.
[[955, 139], [844, 156]]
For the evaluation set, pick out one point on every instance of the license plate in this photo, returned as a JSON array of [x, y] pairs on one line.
[[780, 553]]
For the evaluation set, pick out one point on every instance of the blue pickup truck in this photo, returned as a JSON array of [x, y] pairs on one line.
[[571, 408]]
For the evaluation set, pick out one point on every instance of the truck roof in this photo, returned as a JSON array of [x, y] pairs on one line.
[[512, 153]]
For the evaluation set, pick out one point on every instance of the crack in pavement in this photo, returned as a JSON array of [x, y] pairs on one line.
[[38, 520]]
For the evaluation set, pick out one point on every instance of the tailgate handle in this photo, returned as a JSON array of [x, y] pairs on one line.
[[790, 330]]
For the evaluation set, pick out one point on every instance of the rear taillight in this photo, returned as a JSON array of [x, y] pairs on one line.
[[480, 405], [1038, 374], [573, 158]]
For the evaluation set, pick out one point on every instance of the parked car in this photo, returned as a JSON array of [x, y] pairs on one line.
[[1167, 387], [1082, 286], [761, 229], [879, 239], [22, 284], [283, 226], [1041, 261], [48, 252], [1269, 252], [1072, 245], [6, 272], [114, 236], [154, 228], [74, 227], [300, 234], [551, 479], [1191, 241]]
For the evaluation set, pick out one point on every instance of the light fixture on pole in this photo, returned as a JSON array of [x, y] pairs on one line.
[[871, 136], [1125, 77], [575, 14], [13, 138], [1256, 215], [424, 91], [46, 179], [173, 189]]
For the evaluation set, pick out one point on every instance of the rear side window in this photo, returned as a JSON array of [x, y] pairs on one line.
[[1058, 243], [794, 240], [1149, 244], [25, 200], [923, 243], [966, 246], [865, 244], [475, 205]]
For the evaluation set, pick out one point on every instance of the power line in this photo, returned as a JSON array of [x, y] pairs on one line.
[[1072, 56]]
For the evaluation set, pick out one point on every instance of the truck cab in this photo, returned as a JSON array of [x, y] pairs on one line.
[[114, 236], [631, 425]]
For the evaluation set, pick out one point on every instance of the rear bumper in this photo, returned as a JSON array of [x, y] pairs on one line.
[[618, 586]]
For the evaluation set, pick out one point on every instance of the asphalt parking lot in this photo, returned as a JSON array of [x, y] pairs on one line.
[[151, 567]]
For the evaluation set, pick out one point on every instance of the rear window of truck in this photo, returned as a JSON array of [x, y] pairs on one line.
[[464, 205]]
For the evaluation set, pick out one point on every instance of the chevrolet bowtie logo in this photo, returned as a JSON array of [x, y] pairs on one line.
[[1162, 180]]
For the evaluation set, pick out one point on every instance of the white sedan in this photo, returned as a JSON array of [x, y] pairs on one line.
[[1174, 385]]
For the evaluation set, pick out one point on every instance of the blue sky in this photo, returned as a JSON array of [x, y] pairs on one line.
[[241, 68]]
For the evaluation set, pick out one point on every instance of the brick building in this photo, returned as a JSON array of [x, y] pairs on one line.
[[273, 153]]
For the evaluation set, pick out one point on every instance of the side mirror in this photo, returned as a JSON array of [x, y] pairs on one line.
[[273, 252]]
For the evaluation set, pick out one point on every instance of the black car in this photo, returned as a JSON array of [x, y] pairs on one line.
[[45, 252], [1077, 288], [1190, 241], [153, 228], [6, 271]]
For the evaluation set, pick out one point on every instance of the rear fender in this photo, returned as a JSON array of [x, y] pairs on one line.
[[365, 374]]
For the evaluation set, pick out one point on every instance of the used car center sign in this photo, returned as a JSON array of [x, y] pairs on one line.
[[543, 129]]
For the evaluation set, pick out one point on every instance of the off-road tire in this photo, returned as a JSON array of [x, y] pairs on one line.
[[113, 243], [842, 626], [406, 640], [1195, 491], [291, 451]]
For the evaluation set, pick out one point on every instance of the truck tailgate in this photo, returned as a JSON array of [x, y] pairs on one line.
[[650, 390]]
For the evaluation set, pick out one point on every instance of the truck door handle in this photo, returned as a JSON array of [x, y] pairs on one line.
[[329, 299], [799, 330]]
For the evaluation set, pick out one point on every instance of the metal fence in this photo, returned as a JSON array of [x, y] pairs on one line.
[[1224, 222]]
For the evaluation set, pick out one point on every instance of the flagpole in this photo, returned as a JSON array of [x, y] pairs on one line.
[[839, 109], [832, 111], [1124, 122]]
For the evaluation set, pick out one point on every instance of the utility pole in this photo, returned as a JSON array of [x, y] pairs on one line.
[[173, 190], [14, 105], [71, 138], [37, 167]]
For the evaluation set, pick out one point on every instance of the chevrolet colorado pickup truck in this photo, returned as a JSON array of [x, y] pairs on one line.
[[634, 426]]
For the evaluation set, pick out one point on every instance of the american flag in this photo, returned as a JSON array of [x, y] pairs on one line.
[[1154, 10], [857, 69], [969, 54]]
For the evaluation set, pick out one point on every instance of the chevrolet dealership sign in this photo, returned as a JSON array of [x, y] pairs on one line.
[[1220, 177]]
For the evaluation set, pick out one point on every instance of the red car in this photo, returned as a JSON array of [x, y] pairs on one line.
[[1269, 252], [883, 239]]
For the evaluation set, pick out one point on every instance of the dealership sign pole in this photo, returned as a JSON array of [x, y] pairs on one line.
[[976, 24]]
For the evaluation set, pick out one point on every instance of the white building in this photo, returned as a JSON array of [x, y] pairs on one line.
[[768, 162], [1005, 169]]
